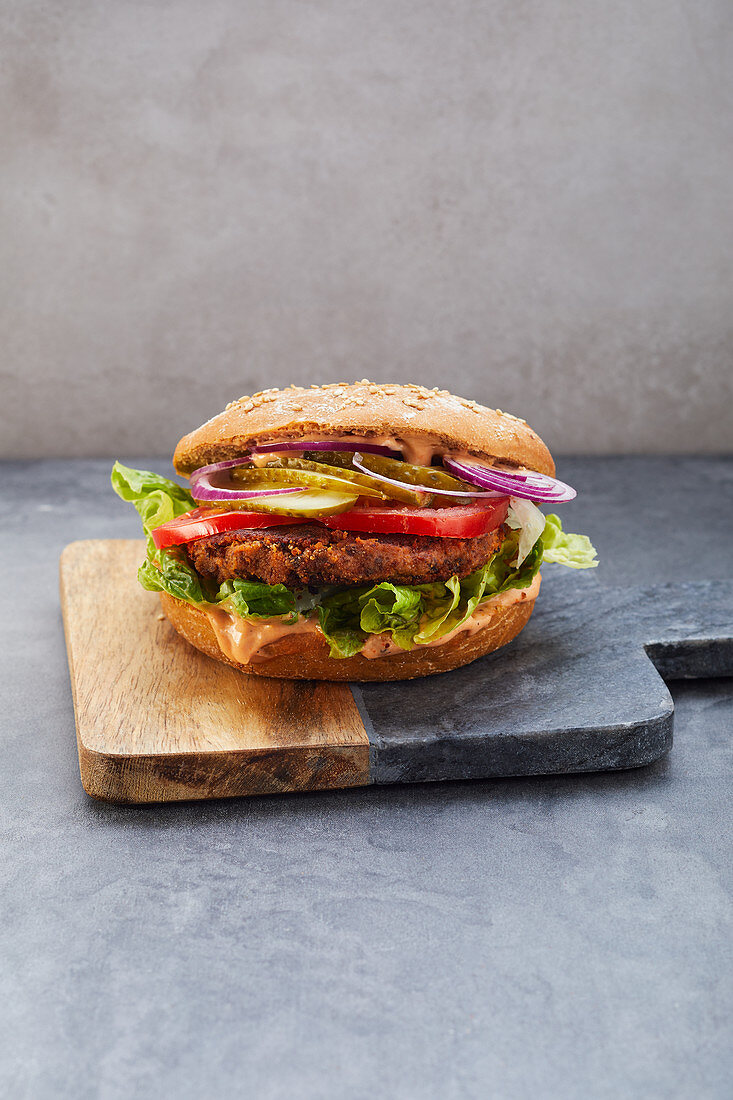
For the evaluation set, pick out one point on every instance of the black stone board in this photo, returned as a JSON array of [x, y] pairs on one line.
[[581, 689]]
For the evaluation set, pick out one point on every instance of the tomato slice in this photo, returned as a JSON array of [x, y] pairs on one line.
[[202, 522], [464, 521]]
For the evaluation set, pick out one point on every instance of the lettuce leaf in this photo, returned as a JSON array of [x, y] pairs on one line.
[[158, 499], [339, 617], [169, 573], [256, 600], [575, 551]]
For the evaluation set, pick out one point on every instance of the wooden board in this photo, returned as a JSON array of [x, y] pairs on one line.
[[157, 721], [579, 690]]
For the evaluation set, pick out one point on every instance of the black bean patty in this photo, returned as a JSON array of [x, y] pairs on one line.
[[310, 554]]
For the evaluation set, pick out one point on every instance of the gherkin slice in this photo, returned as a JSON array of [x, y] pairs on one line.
[[427, 476], [359, 480], [330, 458], [283, 473], [308, 504]]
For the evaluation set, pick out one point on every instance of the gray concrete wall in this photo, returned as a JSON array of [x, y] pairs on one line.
[[529, 202]]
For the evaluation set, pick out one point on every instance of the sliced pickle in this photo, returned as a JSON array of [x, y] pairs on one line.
[[429, 476], [265, 477], [310, 503], [330, 458], [367, 486]]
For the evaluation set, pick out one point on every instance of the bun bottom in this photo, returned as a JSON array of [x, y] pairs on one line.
[[306, 656]]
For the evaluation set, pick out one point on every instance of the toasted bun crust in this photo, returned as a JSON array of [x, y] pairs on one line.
[[306, 657], [364, 409]]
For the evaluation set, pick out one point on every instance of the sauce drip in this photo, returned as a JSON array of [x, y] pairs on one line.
[[242, 639]]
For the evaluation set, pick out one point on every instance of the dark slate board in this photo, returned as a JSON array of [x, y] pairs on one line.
[[579, 690]]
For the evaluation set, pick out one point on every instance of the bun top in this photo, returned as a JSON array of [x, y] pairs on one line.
[[369, 411]]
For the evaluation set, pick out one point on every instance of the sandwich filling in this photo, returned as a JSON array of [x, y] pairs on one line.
[[371, 552]]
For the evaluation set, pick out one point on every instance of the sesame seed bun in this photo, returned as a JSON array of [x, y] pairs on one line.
[[306, 657], [368, 411]]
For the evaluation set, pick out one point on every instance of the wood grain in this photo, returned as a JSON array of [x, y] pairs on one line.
[[157, 721]]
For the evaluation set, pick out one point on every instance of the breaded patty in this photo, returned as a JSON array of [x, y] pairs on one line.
[[310, 554]]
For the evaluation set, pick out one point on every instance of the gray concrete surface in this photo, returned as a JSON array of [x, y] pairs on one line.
[[528, 202], [566, 937]]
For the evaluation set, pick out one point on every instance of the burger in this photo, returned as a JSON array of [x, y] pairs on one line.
[[352, 531]]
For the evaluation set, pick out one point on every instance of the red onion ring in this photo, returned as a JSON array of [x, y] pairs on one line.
[[326, 445], [215, 467], [420, 488], [203, 489], [529, 484], [293, 445]]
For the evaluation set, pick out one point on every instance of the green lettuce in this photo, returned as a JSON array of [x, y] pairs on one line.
[[167, 572], [411, 614], [256, 600], [575, 551], [158, 499], [339, 619]]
